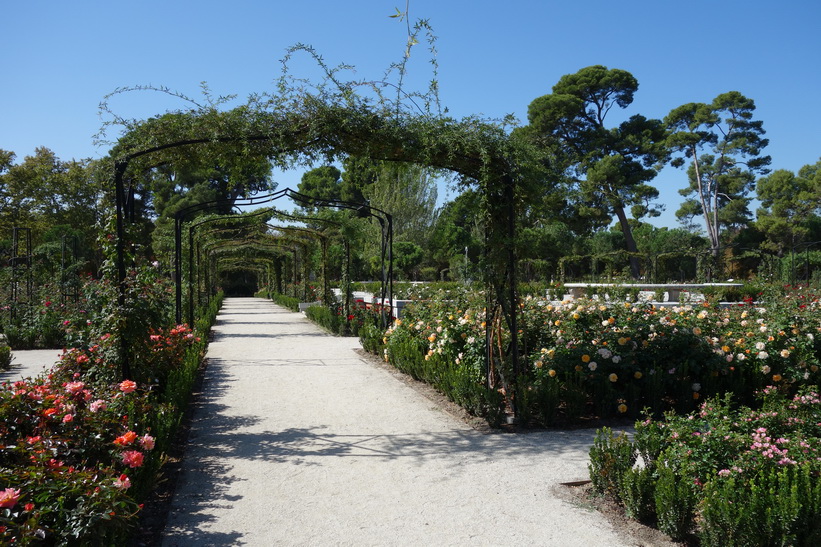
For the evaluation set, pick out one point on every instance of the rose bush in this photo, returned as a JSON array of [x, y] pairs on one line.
[[80, 446], [592, 358], [730, 475]]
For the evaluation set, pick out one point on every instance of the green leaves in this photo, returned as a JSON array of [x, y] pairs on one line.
[[790, 206], [722, 145]]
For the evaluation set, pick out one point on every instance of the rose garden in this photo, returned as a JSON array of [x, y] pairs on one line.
[[721, 386]]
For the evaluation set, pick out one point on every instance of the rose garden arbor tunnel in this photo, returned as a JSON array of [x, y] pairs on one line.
[[239, 282], [252, 233], [477, 152]]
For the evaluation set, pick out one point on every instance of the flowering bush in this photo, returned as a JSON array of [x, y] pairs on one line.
[[734, 476], [588, 357], [80, 447], [63, 456], [441, 341], [631, 356], [39, 324]]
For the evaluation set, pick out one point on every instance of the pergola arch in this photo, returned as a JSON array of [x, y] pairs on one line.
[[313, 127], [362, 210], [257, 242]]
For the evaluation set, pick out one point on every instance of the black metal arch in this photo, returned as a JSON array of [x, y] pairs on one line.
[[493, 169], [178, 258], [363, 210]]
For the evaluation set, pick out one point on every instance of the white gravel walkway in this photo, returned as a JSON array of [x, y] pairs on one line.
[[30, 363], [297, 440]]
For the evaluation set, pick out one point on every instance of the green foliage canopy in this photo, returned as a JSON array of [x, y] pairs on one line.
[[610, 166], [722, 144]]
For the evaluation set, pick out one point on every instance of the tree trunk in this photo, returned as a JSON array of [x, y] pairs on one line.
[[630, 243]]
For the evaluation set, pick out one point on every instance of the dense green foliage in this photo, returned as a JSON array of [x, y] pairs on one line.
[[727, 474]]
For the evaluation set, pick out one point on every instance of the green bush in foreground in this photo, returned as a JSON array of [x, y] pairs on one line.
[[731, 476]]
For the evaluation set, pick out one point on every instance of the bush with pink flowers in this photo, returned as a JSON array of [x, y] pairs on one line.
[[725, 474], [81, 447]]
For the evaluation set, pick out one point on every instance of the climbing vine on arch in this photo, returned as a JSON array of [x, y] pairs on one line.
[[300, 124]]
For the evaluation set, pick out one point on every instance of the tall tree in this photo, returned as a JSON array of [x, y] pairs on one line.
[[323, 182], [790, 207], [721, 144], [408, 193], [610, 166], [456, 237], [44, 191]]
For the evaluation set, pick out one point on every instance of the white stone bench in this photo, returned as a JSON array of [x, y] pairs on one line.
[[305, 305], [673, 290]]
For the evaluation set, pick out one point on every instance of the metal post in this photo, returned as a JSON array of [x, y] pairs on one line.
[[346, 279], [385, 281], [191, 277], [514, 307], [119, 198], [178, 267], [326, 284], [390, 261]]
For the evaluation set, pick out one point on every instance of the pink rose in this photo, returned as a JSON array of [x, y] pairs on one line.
[[127, 386], [97, 405], [74, 387], [147, 442], [9, 497], [133, 458], [123, 483]]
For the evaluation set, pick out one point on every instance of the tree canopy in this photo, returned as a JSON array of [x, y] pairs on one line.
[[790, 207], [609, 166], [722, 145]]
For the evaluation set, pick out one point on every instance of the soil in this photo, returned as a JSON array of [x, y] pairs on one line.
[[581, 495]]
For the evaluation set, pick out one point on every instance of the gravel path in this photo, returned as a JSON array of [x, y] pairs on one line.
[[30, 363], [298, 440]]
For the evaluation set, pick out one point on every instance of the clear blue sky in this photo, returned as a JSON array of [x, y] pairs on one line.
[[61, 58]]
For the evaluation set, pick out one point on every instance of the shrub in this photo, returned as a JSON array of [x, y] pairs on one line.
[[777, 507], [286, 301], [675, 502], [637, 492], [325, 317], [731, 474], [5, 356], [610, 458], [372, 340]]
